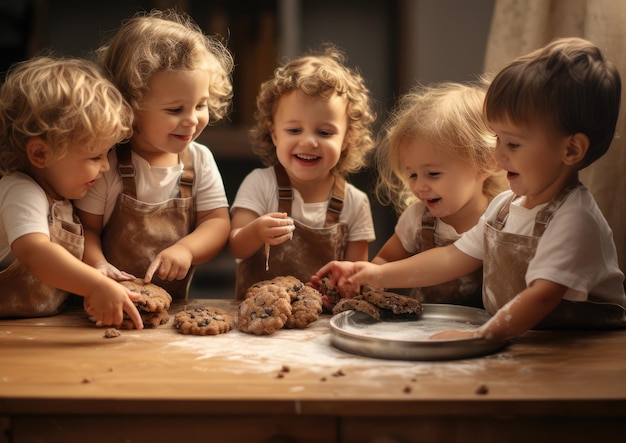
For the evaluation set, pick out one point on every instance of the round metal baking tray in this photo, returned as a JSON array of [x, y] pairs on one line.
[[402, 339]]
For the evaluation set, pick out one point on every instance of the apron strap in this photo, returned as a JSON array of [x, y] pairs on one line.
[[427, 233], [285, 195], [545, 215], [126, 170]]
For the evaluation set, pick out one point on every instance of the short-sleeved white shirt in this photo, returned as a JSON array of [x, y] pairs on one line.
[[576, 250], [156, 185], [24, 209], [258, 193]]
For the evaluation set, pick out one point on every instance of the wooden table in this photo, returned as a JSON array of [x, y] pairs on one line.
[[62, 381]]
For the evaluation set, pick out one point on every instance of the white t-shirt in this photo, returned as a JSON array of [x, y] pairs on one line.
[[258, 193], [24, 209], [410, 224], [156, 185], [576, 250]]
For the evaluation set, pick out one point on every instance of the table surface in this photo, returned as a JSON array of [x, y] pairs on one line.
[[64, 364]]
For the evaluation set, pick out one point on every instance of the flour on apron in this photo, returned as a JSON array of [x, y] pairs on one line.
[[137, 232], [506, 261], [25, 296], [308, 250]]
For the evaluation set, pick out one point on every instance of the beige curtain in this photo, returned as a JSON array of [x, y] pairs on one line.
[[520, 26]]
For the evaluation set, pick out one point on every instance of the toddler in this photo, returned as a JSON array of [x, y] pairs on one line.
[[162, 207], [313, 128], [436, 165], [58, 120]]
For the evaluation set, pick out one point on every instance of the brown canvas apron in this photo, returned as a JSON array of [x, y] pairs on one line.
[[137, 232], [506, 260], [466, 290], [308, 250], [25, 296]]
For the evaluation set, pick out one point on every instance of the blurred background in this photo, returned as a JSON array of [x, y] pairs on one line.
[[395, 44]]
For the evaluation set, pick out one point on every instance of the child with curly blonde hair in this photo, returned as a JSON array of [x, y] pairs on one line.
[[313, 128], [58, 120], [162, 207], [436, 166]]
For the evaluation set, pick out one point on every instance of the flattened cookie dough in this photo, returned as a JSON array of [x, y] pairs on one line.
[[357, 304], [153, 298], [396, 303], [203, 321], [265, 311]]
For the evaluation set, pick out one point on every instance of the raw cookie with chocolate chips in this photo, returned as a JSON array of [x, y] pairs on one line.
[[306, 306], [396, 303], [356, 303], [153, 298], [152, 306], [203, 321], [264, 310]]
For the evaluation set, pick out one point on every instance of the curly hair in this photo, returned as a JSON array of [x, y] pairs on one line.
[[318, 74], [157, 41], [449, 116], [65, 101]]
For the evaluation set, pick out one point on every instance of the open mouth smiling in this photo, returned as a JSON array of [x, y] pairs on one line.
[[306, 157]]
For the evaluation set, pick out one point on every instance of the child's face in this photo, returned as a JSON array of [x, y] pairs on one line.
[[533, 158], [447, 185], [309, 134], [72, 175], [173, 114]]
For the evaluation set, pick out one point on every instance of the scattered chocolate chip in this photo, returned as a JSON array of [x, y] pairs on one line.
[[280, 375], [85, 381], [407, 389], [323, 379], [285, 368], [339, 373], [482, 390]]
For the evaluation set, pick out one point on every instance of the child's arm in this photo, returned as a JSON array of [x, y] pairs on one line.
[[527, 309], [202, 244], [250, 231], [356, 250], [392, 250], [431, 267], [55, 266], [93, 254]]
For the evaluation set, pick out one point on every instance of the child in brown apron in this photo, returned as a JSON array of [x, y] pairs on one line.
[[58, 120], [162, 208], [548, 252], [313, 128], [436, 166]]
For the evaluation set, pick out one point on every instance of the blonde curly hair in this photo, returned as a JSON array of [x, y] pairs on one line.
[[65, 101], [318, 74], [157, 41], [450, 117]]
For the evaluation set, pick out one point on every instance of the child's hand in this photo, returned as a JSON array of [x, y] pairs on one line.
[[111, 271], [349, 276], [172, 263], [275, 228], [107, 302]]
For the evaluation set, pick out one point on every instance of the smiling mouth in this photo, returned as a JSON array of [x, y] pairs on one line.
[[306, 158], [432, 201]]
